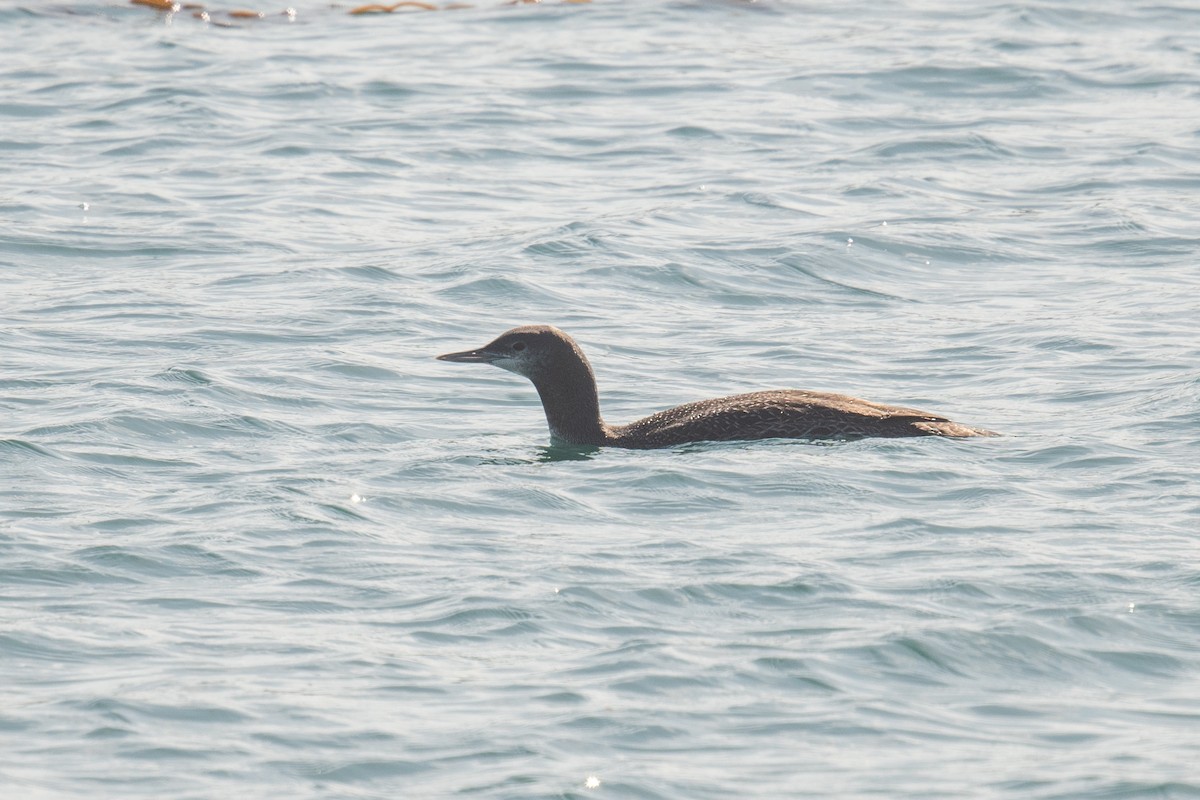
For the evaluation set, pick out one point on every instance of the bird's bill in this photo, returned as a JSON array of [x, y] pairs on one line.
[[480, 356]]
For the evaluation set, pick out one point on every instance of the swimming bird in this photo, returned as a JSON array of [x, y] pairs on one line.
[[564, 380]]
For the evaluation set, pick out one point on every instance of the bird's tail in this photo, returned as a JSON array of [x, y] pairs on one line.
[[952, 430]]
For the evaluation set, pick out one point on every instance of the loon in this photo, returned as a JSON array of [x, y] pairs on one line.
[[565, 382]]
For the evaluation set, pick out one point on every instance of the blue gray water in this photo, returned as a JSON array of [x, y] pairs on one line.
[[256, 543]]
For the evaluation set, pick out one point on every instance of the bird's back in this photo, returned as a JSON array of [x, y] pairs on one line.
[[784, 413]]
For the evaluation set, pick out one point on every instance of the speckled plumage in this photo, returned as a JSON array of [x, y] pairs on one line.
[[565, 382]]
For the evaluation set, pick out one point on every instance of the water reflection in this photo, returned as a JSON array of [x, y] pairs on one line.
[[567, 452]]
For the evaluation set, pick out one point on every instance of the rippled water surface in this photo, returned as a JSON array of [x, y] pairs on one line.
[[256, 543]]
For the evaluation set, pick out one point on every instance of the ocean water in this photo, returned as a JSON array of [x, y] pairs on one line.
[[256, 543]]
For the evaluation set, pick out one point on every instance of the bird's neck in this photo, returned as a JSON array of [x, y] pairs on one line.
[[571, 404]]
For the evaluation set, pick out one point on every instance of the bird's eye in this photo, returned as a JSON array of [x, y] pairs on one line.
[[518, 347]]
